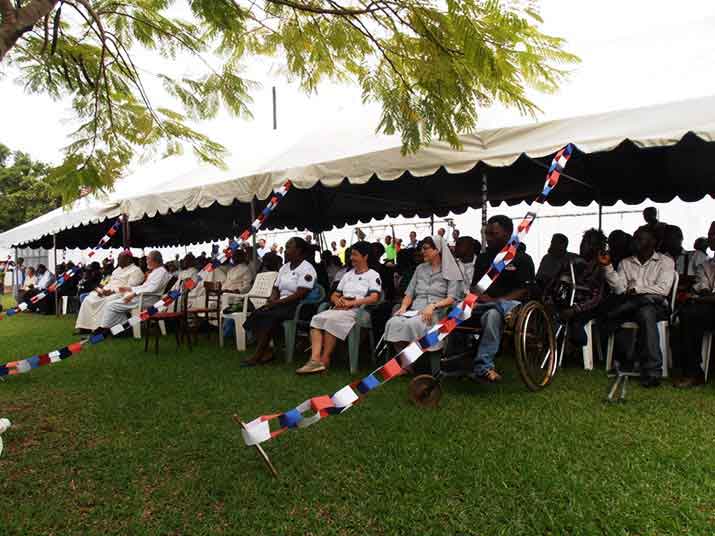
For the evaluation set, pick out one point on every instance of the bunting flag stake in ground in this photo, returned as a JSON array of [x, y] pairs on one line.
[[317, 408], [25, 365], [4, 425]]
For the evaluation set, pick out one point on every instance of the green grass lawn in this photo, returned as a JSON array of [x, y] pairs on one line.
[[116, 441]]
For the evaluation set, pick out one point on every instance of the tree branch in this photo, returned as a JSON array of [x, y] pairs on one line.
[[339, 10], [16, 22]]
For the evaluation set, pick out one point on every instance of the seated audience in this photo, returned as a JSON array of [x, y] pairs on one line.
[[118, 311], [644, 281], [239, 277], [331, 264], [407, 261], [92, 309], [435, 286], [590, 286], [699, 256], [344, 270], [620, 246], [30, 280], [554, 261], [672, 245], [465, 255], [377, 250], [498, 299], [696, 317], [531, 268], [360, 286], [44, 279], [295, 280], [91, 278]]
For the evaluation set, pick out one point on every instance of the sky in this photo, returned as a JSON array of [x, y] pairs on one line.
[[633, 53]]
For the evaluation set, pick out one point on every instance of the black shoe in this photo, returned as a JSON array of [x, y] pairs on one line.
[[649, 382]]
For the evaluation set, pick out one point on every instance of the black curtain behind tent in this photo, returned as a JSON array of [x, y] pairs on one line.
[[626, 173]]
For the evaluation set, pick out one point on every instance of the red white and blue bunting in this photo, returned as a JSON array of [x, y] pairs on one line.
[[114, 229], [317, 408], [25, 365]]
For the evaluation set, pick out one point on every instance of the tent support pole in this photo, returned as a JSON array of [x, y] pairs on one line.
[[253, 235], [431, 224], [485, 209], [126, 232], [16, 278], [54, 259]]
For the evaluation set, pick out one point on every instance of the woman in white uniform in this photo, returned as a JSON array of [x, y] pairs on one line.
[[435, 285], [360, 286], [295, 280]]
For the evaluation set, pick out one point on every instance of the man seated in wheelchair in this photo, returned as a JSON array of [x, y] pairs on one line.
[[506, 293], [577, 306]]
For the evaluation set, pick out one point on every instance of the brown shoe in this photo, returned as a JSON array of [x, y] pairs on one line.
[[687, 383], [489, 377]]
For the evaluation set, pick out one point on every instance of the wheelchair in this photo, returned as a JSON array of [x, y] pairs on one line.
[[533, 333]]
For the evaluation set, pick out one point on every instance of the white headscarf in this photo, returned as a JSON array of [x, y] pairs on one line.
[[450, 270]]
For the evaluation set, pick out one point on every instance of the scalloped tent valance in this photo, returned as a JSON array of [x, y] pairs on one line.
[[657, 152]]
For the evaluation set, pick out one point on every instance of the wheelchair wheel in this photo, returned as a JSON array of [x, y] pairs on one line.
[[535, 346], [425, 391]]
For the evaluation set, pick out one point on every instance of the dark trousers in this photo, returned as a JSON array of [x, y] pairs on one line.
[[646, 311], [695, 320]]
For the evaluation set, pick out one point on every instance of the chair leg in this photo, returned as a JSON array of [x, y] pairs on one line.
[[354, 348], [609, 352], [663, 329], [162, 327], [588, 349], [178, 329], [290, 329], [371, 336], [240, 333], [220, 331], [146, 336], [706, 349]]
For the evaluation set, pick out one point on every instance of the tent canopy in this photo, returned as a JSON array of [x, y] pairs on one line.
[[657, 152]]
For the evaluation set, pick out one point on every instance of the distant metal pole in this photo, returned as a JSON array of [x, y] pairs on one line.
[[16, 278], [253, 235], [126, 232], [485, 208], [431, 224], [275, 110], [54, 256]]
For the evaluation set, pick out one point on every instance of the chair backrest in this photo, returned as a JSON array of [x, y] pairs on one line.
[[213, 294], [262, 288]]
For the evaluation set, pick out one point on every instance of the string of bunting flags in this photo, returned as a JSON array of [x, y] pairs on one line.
[[25, 365], [69, 274], [317, 408]]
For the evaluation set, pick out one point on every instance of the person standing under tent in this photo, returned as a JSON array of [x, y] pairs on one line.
[[413, 243], [390, 252], [465, 255], [699, 256], [341, 251]]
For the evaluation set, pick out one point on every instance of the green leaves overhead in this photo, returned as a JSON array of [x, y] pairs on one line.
[[431, 65]]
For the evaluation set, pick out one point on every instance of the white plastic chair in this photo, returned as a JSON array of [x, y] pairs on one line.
[[663, 334], [258, 295]]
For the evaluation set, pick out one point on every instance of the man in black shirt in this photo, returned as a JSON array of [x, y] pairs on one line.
[[499, 298]]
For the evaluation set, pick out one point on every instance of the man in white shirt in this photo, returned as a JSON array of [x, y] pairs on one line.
[[699, 256], [45, 278], [696, 317], [156, 281], [644, 281], [262, 249], [127, 274]]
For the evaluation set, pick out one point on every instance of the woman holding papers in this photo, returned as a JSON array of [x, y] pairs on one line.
[[435, 285]]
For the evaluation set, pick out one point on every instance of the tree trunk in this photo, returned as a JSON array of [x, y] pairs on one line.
[[15, 22]]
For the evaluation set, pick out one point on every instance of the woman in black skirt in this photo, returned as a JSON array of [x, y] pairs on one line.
[[295, 280]]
